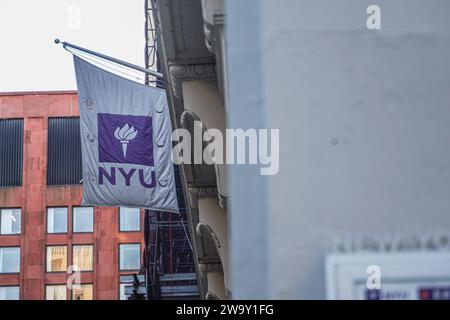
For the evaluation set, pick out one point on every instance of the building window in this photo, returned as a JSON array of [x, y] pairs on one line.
[[83, 257], [122, 295], [130, 219], [9, 260], [10, 220], [64, 151], [11, 145], [9, 293], [130, 256], [56, 258], [84, 292], [56, 220], [56, 292], [83, 219]]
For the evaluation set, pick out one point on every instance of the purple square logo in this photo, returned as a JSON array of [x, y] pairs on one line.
[[125, 139]]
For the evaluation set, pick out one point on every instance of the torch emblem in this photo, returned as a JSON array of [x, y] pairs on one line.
[[125, 135]]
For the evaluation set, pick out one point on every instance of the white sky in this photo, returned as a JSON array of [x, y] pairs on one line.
[[30, 61]]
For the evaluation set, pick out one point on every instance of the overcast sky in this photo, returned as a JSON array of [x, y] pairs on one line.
[[30, 61]]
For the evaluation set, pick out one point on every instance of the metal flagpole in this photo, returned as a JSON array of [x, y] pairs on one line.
[[103, 56]]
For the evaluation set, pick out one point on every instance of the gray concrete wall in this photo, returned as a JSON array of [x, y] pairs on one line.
[[249, 242], [364, 119]]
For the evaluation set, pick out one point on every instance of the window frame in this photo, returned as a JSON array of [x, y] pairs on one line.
[[20, 259], [46, 257], [11, 234], [83, 284], [92, 257], [14, 286], [54, 285], [140, 221], [46, 220], [73, 219], [140, 257]]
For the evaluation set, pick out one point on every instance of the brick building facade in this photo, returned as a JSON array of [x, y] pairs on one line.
[[29, 264]]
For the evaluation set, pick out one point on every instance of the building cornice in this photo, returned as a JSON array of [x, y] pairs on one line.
[[184, 72], [196, 193]]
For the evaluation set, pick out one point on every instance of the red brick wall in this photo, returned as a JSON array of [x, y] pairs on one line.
[[34, 197]]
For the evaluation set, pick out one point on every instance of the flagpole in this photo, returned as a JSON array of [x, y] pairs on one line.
[[103, 56]]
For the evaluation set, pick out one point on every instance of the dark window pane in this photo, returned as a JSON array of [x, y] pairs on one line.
[[64, 151], [11, 144]]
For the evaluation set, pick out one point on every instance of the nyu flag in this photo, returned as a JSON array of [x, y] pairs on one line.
[[125, 140]]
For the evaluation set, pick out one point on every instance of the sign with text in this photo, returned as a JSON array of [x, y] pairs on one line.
[[409, 275]]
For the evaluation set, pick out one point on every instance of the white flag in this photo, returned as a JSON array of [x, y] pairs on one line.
[[125, 141]]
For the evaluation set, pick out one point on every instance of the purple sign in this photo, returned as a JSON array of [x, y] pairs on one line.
[[125, 139]]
